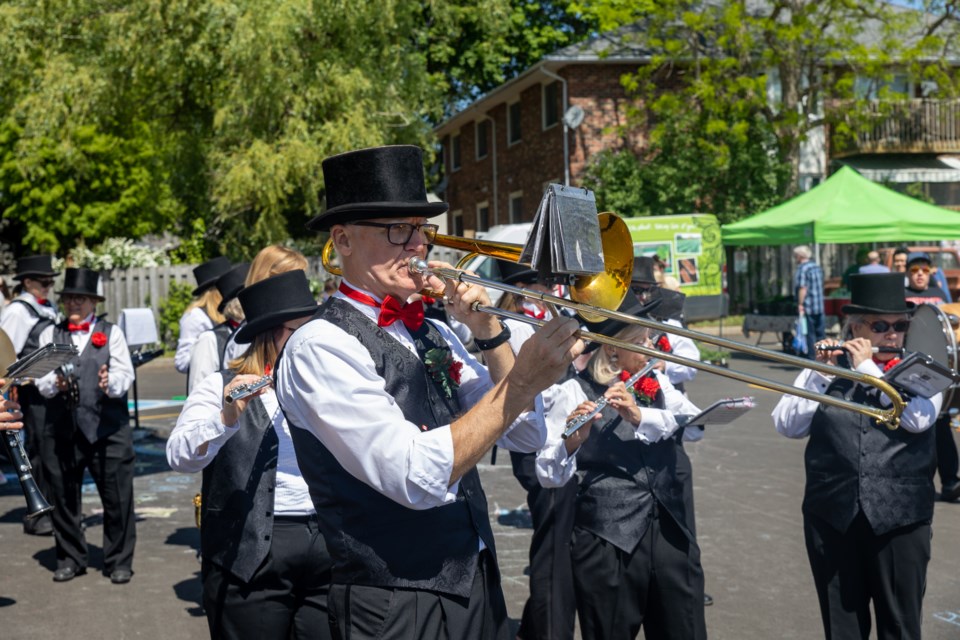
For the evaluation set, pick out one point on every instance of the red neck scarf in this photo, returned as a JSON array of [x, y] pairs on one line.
[[391, 309]]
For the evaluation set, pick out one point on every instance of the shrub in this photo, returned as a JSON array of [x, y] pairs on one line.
[[118, 253], [171, 309]]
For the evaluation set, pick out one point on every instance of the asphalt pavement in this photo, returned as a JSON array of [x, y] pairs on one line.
[[748, 485]]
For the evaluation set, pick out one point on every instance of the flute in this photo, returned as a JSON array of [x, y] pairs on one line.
[[838, 347], [243, 390], [602, 401]]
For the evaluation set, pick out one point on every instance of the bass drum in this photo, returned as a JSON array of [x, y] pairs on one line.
[[932, 333]]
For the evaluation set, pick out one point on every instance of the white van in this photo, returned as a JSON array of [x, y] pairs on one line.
[[485, 266]]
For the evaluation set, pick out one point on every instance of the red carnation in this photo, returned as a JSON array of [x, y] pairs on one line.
[[645, 390], [649, 387], [455, 370], [890, 364], [99, 339], [663, 344]]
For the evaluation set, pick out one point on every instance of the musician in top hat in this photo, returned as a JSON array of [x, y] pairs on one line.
[[869, 494], [636, 561], [23, 320], [265, 570], [209, 352], [390, 414], [202, 313], [88, 423]]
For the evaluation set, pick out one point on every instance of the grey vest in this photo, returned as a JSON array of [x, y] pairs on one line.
[[42, 322], [623, 481], [238, 494], [853, 464], [372, 539], [222, 332], [97, 415]]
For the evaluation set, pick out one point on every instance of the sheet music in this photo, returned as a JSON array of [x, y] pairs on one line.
[[41, 362], [722, 411], [565, 238]]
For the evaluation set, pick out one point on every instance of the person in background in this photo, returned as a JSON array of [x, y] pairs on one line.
[[4, 294], [808, 290], [265, 570], [873, 264], [201, 314], [900, 255], [23, 320], [636, 563], [209, 351], [89, 423], [939, 279], [859, 260], [868, 502], [390, 414], [920, 290]]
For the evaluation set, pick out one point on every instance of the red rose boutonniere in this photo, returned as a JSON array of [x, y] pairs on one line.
[[444, 369], [99, 339], [645, 389], [663, 344], [890, 364]]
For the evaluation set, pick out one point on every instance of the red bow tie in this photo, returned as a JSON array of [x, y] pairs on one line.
[[43, 301], [83, 326], [391, 309]]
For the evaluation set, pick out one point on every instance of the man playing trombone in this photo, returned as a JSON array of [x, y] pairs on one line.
[[390, 414], [869, 495]]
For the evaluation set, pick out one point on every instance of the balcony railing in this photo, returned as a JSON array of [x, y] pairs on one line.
[[910, 126]]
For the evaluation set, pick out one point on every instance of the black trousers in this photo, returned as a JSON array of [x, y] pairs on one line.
[[110, 463], [360, 612], [948, 463], [285, 598], [658, 586], [550, 612], [685, 476], [853, 568]]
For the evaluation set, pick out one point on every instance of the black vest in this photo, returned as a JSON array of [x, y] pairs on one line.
[[97, 415], [33, 338], [372, 539], [853, 464], [222, 333], [238, 494], [33, 405], [623, 481]]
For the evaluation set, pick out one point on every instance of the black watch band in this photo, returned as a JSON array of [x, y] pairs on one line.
[[495, 341]]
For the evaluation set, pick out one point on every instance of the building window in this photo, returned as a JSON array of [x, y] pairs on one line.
[[455, 151], [457, 217], [483, 216], [551, 104], [513, 123], [481, 135], [516, 207]]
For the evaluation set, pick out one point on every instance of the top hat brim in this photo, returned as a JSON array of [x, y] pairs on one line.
[[203, 286], [369, 210], [250, 329], [847, 309], [79, 292], [35, 274], [612, 326]]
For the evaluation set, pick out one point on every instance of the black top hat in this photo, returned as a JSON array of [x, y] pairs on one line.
[[671, 303], [643, 271], [382, 182], [271, 302], [230, 283], [877, 293], [512, 272], [611, 327], [81, 282], [31, 266], [209, 272]]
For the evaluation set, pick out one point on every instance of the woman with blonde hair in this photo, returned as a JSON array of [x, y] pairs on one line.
[[201, 314], [252, 488]]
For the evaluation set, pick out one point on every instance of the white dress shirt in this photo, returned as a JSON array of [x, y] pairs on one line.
[[555, 467], [328, 384], [205, 357], [192, 324], [200, 423], [685, 348], [17, 321], [120, 367], [793, 415]]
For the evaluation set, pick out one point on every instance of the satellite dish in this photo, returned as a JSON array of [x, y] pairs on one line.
[[573, 117]]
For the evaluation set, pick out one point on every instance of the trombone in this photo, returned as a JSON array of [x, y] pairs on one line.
[[593, 297]]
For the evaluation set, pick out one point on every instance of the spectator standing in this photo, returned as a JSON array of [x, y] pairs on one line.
[[808, 290], [873, 264], [920, 290]]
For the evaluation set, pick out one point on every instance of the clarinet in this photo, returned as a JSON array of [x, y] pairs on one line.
[[37, 505], [243, 390], [602, 401]]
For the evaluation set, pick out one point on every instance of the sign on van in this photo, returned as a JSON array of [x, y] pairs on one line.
[[689, 245]]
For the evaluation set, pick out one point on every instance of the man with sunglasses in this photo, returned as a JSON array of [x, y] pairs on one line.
[[390, 414], [920, 288], [868, 501], [23, 320]]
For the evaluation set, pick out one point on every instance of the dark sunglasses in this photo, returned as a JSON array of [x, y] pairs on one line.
[[915, 268], [45, 282], [882, 326], [399, 233]]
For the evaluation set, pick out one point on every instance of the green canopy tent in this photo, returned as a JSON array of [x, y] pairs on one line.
[[846, 208]]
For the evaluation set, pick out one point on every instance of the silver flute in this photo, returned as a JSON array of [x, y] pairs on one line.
[[602, 401], [243, 390]]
